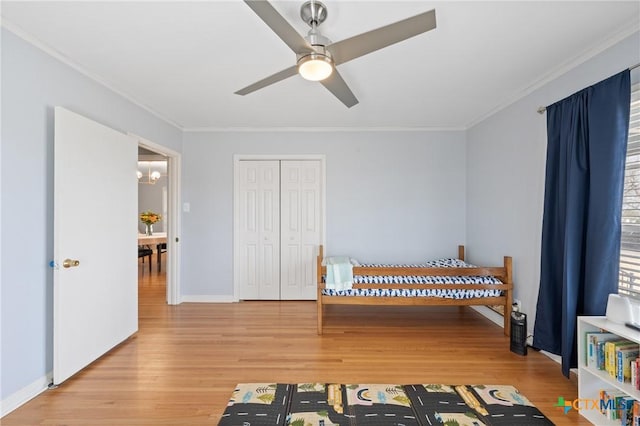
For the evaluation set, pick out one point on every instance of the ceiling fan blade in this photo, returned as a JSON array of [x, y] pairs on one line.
[[336, 85], [373, 40], [279, 25], [279, 76]]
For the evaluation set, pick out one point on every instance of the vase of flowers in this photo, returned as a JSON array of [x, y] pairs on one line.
[[149, 218]]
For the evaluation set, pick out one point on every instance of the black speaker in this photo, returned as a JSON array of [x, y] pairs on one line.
[[519, 333]]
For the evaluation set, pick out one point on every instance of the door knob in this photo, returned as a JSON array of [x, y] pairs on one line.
[[70, 263]]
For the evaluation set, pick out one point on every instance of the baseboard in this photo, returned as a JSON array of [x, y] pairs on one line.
[[490, 314], [556, 358], [25, 394], [205, 298], [497, 318]]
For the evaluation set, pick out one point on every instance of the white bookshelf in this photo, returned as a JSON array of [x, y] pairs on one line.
[[591, 380]]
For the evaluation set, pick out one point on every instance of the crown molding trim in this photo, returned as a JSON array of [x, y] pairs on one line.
[[319, 129], [562, 69]]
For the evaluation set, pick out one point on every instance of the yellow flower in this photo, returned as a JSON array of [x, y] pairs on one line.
[[148, 217]]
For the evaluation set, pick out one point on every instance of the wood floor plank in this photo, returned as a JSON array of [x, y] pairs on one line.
[[182, 365]]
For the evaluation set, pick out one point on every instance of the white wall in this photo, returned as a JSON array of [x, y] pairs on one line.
[[32, 84], [506, 156], [391, 196]]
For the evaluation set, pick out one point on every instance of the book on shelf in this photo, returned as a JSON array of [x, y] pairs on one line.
[[625, 356], [626, 411], [611, 354], [619, 407], [595, 341], [612, 403]]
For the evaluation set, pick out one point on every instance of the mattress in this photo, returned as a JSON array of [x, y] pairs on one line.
[[413, 283]]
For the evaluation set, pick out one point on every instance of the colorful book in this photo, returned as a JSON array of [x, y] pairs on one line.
[[626, 411], [626, 354], [593, 338], [601, 358], [611, 360], [611, 403]]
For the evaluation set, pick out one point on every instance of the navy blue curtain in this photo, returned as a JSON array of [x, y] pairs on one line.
[[586, 148]]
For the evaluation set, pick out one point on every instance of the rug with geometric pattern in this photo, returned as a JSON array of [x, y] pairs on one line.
[[328, 404]]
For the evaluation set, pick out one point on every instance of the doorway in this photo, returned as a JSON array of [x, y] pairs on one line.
[[153, 182], [166, 203]]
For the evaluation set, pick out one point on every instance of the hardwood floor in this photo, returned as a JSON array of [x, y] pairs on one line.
[[182, 365]]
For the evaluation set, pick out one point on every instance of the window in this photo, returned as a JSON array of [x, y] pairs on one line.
[[629, 282]]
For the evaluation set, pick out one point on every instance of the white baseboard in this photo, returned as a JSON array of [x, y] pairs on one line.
[[556, 358], [25, 394], [490, 314], [497, 318], [205, 298]]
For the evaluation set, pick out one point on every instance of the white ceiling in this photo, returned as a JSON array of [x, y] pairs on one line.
[[183, 60]]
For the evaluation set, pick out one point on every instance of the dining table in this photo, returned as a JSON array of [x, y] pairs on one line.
[[156, 239]]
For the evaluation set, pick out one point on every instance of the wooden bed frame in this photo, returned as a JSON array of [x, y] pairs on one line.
[[503, 273]]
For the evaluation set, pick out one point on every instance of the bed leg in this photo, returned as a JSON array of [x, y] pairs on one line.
[[319, 315], [508, 265], [320, 286], [507, 319]]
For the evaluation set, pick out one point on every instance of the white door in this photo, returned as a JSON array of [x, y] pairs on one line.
[[95, 224], [300, 191], [259, 227]]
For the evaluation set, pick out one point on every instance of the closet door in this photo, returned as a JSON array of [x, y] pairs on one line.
[[301, 210], [259, 227]]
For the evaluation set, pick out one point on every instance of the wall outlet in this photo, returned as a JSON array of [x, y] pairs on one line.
[[518, 303]]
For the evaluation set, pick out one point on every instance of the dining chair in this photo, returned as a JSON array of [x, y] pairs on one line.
[[161, 248], [145, 251]]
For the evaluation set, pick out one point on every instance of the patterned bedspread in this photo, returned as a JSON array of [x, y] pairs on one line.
[[413, 283], [379, 405]]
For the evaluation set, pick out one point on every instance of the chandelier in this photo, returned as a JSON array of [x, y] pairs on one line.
[[149, 172]]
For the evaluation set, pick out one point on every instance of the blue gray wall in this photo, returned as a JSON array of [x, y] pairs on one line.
[[391, 196]]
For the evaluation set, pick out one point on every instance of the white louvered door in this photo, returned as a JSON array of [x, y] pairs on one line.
[[279, 225], [300, 228]]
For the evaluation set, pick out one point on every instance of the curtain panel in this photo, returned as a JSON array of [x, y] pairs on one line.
[[586, 147]]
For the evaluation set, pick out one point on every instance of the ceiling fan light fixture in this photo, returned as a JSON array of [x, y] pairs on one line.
[[315, 66]]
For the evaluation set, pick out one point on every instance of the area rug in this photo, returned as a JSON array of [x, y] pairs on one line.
[[322, 404]]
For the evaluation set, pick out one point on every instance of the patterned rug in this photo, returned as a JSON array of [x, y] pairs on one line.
[[320, 404]]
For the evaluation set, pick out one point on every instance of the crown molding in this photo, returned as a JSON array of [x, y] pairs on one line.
[[561, 70], [318, 129]]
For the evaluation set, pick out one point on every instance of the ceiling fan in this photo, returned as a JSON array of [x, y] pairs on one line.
[[317, 56]]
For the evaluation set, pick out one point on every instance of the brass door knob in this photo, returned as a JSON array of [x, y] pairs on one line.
[[70, 263]]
